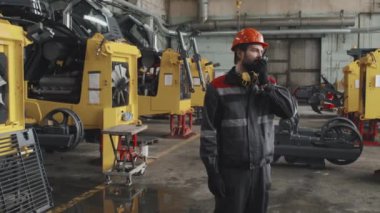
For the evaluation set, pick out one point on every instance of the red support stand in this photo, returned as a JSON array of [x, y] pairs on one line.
[[184, 126], [172, 125], [126, 151], [368, 130], [134, 140], [179, 125]]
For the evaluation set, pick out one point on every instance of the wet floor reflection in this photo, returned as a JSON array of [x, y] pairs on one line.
[[134, 199]]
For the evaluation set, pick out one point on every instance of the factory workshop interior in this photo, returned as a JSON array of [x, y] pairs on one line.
[[190, 106]]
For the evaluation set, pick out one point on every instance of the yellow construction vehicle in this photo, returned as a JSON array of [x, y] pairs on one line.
[[23, 181], [78, 79], [103, 94], [362, 88], [369, 91], [352, 81], [162, 85], [165, 87], [370, 86], [163, 90]]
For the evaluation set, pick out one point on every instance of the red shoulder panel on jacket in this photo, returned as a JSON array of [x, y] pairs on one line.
[[219, 82]]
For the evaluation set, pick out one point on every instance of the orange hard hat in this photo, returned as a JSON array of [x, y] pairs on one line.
[[248, 35]]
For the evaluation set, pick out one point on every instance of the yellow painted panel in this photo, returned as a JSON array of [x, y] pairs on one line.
[[370, 89], [12, 42], [351, 87]]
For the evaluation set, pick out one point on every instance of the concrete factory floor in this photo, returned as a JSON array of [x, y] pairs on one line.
[[175, 180]]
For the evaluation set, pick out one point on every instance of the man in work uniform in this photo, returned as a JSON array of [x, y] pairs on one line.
[[237, 132]]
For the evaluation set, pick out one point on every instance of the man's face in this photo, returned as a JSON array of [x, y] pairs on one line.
[[253, 52], [247, 58]]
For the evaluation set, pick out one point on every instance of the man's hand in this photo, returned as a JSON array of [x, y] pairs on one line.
[[260, 68], [216, 185]]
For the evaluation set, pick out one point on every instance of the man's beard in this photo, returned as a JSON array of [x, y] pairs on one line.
[[249, 66]]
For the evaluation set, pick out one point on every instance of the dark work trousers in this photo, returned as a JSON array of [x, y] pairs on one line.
[[246, 191]]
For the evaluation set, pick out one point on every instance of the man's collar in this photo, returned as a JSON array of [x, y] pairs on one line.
[[233, 77]]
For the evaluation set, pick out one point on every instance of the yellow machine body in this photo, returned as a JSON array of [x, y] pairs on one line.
[[370, 86], [351, 87], [96, 92], [95, 106], [12, 42], [170, 80], [197, 97], [22, 164]]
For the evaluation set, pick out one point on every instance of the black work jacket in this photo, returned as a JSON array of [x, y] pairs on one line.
[[237, 126]]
